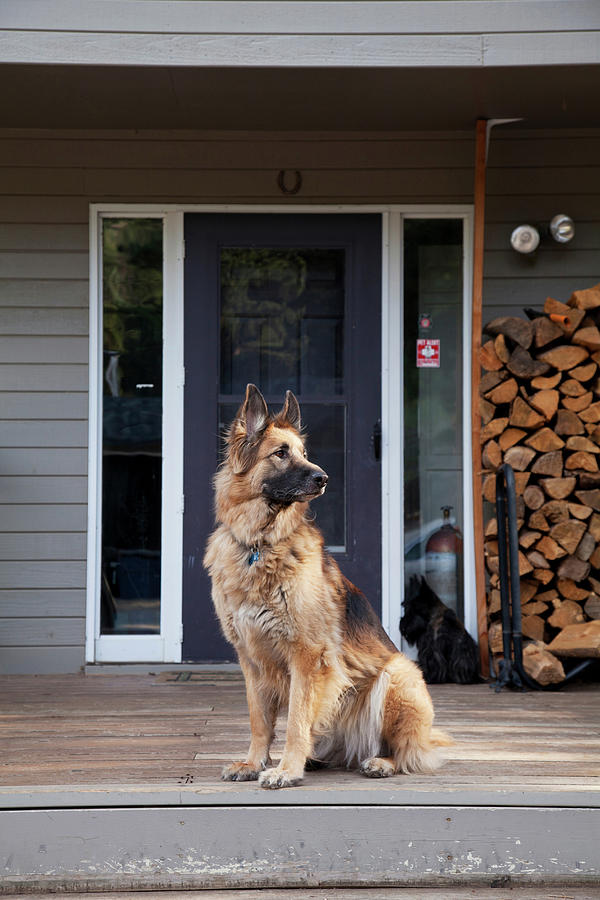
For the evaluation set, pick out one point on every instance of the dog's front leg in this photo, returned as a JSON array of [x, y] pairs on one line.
[[263, 713], [301, 714]]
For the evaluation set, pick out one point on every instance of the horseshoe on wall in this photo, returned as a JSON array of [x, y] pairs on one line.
[[281, 178]]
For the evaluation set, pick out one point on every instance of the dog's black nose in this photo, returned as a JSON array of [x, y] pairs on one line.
[[320, 479]]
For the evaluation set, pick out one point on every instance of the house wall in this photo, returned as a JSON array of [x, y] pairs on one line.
[[48, 179]]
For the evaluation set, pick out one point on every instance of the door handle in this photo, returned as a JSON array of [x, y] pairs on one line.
[[376, 440]]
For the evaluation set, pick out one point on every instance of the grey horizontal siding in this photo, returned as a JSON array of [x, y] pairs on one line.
[[42, 545], [43, 632], [41, 660], [37, 603], [48, 179], [47, 517]]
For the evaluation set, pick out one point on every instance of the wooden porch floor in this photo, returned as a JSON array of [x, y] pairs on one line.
[[111, 782], [168, 735]]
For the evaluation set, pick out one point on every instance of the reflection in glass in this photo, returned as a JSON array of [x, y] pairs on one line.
[[282, 328], [132, 425], [433, 291], [282, 320]]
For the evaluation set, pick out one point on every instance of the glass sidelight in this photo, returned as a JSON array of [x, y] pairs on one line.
[[433, 405], [282, 326], [132, 253]]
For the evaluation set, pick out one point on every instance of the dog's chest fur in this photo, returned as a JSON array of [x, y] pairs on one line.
[[266, 604]]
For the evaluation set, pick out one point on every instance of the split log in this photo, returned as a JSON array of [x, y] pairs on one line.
[[523, 416], [588, 337], [490, 380], [546, 402], [491, 529], [571, 388], [518, 457], [570, 591], [534, 608], [573, 568], [493, 429], [567, 422], [546, 382], [565, 356], [505, 392], [545, 331], [578, 640], [576, 404], [585, 372], [568, 534], [589, 298], [533, 497], [523, 365], [510, 437], [549, 548], [541, 665], [594, 526], [544, 576], [486, 410], [518, 330], [545, 440], [501, 348], [579, 511], [550, 596], [556, 511], [527, 538], [537, 560], [582, 443], [494, 601], [537, 519], [592, 606], [558, 488], [581, 459], [595, 558], [586, 547], [527, 590], [549, 464], [491, 455], [589, 498], [588, 481], [574, 316], [533, 627], [495, 638], [489, 358], [591, 414], [567, 612]]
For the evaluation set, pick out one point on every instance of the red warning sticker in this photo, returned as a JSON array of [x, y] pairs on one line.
[[428, 353]]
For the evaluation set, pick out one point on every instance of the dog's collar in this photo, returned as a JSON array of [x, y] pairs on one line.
[[255, 554]]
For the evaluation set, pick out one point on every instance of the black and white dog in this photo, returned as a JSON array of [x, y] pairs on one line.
[[447, 652]]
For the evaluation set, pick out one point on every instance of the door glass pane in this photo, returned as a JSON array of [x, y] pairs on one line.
[[282, 328], [433, 315], [132, 425]]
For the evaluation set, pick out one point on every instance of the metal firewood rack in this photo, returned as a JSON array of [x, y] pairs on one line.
[[510, 668]]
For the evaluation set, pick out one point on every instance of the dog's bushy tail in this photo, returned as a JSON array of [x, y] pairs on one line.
[[441, 738]]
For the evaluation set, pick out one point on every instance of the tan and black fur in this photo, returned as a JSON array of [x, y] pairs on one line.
[[306, 638]]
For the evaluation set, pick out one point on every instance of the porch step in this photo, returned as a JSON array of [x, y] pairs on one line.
[[265, 845]]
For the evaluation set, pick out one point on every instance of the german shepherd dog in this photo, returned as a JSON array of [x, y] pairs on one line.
[[306, 638]]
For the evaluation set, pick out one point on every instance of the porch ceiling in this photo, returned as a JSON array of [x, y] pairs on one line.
[[298, 99]]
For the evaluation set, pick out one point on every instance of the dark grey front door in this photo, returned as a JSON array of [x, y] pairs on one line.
[[287, 301]]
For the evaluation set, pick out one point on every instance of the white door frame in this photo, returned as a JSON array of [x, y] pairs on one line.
[[166, 647]]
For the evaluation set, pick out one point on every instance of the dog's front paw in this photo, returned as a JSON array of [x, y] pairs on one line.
[[241, 771], [377, 767], [273, 779]]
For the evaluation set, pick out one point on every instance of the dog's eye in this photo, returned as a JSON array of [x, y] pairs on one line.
[[281, 454], [305, 454]]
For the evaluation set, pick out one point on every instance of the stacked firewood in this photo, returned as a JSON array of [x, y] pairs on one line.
[[540, 410]]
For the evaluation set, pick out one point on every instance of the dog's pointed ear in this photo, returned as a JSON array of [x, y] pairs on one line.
[[254, 414], [290, 414]]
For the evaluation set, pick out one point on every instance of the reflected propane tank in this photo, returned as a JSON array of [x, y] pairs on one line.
[[444, 565]]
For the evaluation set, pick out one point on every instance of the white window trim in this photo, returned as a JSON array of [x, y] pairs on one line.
[[167, 646]]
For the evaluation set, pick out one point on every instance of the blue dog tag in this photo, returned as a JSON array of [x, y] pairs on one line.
[[254, 556]]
